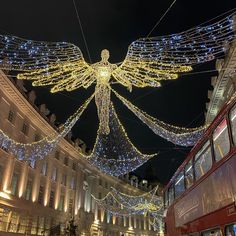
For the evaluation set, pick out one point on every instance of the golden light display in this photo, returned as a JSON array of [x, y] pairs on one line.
[[148, 61], [120, 204]]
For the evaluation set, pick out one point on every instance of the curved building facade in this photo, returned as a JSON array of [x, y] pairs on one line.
[[37, 197]]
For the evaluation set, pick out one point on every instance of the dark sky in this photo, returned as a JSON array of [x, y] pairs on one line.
[[114, 24]]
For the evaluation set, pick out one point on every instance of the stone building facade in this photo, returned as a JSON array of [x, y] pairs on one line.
[[224, 85], [39, 196]]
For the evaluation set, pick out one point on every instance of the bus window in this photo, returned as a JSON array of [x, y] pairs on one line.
[[166, 198], [179, 184], [203, 160], [212, 232], [189, 174], [232, 116], [171, 194], [230, 230], [221, 140]]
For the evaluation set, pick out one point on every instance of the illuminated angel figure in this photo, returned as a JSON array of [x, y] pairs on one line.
[[148, 61]]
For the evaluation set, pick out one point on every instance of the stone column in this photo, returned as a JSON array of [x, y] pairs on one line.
[[23, 179], [7, 176], [81, 192]]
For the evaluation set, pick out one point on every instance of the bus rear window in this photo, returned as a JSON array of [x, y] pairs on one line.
[[221, 140], [232, 116], [203, 160], [189, 174], [179, 184]]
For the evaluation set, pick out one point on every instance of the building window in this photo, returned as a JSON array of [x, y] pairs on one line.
[[41, 192], [37, 137], [179, 184], [14, 183], [100, 182], [106, 185], [61, 203], [71, 206], [57, 155], [44, 168], [25, 128], [51, 199], [203, 160], [189, 177], [54, 174], [66, 160], [28, 190], [11, 116], [221, 140], [74, 166], [63, 179], [72, 183]]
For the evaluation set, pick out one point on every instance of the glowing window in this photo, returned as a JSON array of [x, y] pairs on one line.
[[203, 160], [232, 116], [189, 179], [179, 184], [171, 194], [221, 140], [11, 116]]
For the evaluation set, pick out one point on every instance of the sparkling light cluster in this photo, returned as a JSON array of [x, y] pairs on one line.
[[114, 154], [194, 46], [121, 204], [148, 61], [177, 135], [38, 150]]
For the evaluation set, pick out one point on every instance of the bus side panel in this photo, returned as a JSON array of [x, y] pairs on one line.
[[211, 198]]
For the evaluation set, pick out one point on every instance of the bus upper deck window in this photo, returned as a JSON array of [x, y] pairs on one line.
[[189, 174], [179, 184], [203, 160], [232, 116], [171, 194], [221, 140], [166, 200]]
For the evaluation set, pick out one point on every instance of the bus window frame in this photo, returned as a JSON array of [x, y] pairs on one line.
[[174, 183], [194, 158], [230, 128], [184, 168], [228, 123]]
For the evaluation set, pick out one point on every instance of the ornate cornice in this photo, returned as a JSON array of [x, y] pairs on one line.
[[221, 92]]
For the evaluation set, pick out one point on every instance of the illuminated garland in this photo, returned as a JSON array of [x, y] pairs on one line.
[[114, 154], [121, 204], [38, 150], [177, 135], [148, 61]]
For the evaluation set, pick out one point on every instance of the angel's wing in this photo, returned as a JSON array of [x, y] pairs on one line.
[[150, 60], [47, 63]]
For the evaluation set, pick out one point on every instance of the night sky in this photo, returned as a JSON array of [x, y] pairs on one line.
[[114, 24]]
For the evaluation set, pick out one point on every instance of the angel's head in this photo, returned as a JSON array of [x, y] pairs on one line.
[[105, 55]]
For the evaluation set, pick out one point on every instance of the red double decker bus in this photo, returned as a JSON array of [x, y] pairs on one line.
[[200, 198]]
